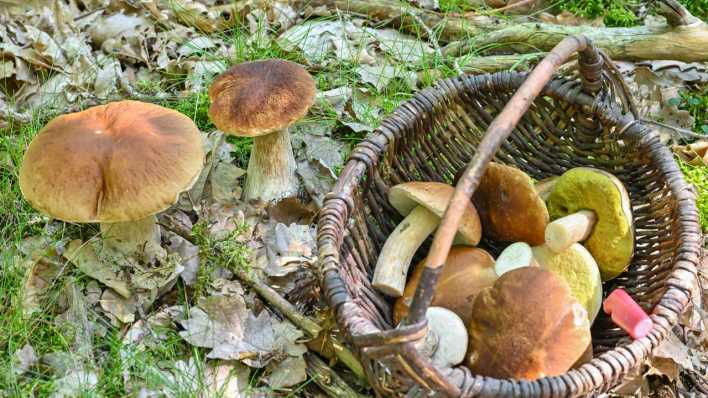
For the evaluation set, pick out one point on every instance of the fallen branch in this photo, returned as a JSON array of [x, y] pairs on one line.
[[686, 42], [275, 300], [327, 379]]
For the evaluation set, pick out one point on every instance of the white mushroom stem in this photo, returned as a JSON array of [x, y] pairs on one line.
[[400, 247], [131, 237], [514, 256], [446, 341], [271, 168], [573, 228]]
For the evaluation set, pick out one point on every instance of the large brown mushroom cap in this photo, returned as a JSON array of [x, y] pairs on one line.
[[258, 98], [122, 161], [467, 271], [527, 326], [509, 206], [435, 196]]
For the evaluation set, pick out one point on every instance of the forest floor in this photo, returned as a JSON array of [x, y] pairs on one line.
[[64, 333]]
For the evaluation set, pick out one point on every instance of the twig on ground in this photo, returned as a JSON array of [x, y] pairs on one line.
[[433, 40], [274, 299], [328, 380]]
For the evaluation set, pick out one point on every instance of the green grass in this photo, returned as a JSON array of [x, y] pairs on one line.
[[698, 176], [618, 13]]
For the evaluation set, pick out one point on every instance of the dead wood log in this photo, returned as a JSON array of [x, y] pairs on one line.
[[687, 41]]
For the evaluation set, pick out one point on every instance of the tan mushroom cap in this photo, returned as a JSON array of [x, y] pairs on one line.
[[435, 196], [122, 161], [509, 206], [260, 97], [526, 326], [467, 271]]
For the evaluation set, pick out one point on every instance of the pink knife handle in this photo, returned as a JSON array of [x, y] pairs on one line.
[[627, 314]]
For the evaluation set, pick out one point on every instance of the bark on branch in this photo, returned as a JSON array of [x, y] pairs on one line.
[[686, 42]]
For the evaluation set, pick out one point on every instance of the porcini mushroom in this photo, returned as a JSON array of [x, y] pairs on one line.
[[509, 205], [514, 256], [526, 326], [446, 341], [593, 206], [579, 270], [262, 99], [116, 164], [423, 204], [467, 271]]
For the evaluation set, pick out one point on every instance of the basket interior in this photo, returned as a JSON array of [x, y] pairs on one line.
[[436, 135]]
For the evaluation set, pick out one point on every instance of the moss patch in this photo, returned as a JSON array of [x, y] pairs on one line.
[[612, 239]]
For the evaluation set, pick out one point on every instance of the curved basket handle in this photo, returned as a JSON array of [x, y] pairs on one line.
[[590, 64]]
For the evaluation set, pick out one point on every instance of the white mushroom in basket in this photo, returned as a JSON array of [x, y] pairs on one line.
[[446, 341], [592, 206], [423, 204]]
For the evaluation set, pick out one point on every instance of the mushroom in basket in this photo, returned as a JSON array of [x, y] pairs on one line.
[[423, 204], [467, 271], [527, 326], [593, 206]]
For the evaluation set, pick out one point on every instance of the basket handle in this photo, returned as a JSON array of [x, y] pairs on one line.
[[590, 67]]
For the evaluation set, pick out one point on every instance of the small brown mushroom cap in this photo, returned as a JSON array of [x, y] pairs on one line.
[[467, 271], [260, 97], [435, 196], [526, 326], [509, 206], [122, 161]]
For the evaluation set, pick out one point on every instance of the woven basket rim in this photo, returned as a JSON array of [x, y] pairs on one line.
[[665, 313]]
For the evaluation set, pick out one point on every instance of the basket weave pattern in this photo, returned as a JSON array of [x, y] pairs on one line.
[[432, 137]]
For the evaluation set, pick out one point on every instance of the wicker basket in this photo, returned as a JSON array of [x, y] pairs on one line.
[[544, 126]]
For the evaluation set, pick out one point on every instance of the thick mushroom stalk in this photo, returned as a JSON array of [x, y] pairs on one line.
[[130, 237], [573, 228], [423, 204], [271, 168], [400, 247]]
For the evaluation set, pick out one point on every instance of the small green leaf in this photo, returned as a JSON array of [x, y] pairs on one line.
[[705, 128], [694, 101], [674, 101]]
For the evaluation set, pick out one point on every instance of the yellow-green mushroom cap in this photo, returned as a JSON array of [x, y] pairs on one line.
[[579, 270], [611, 242]]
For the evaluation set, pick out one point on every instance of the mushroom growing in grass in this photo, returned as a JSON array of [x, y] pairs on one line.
[[446, 341], [423, 204], [579, 270], [526, 326], [467, 271], [116, 164], [262, 99], [593, 206], [509, 206]]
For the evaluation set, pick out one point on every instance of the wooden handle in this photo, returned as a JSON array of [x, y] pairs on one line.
[[499, 129]]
